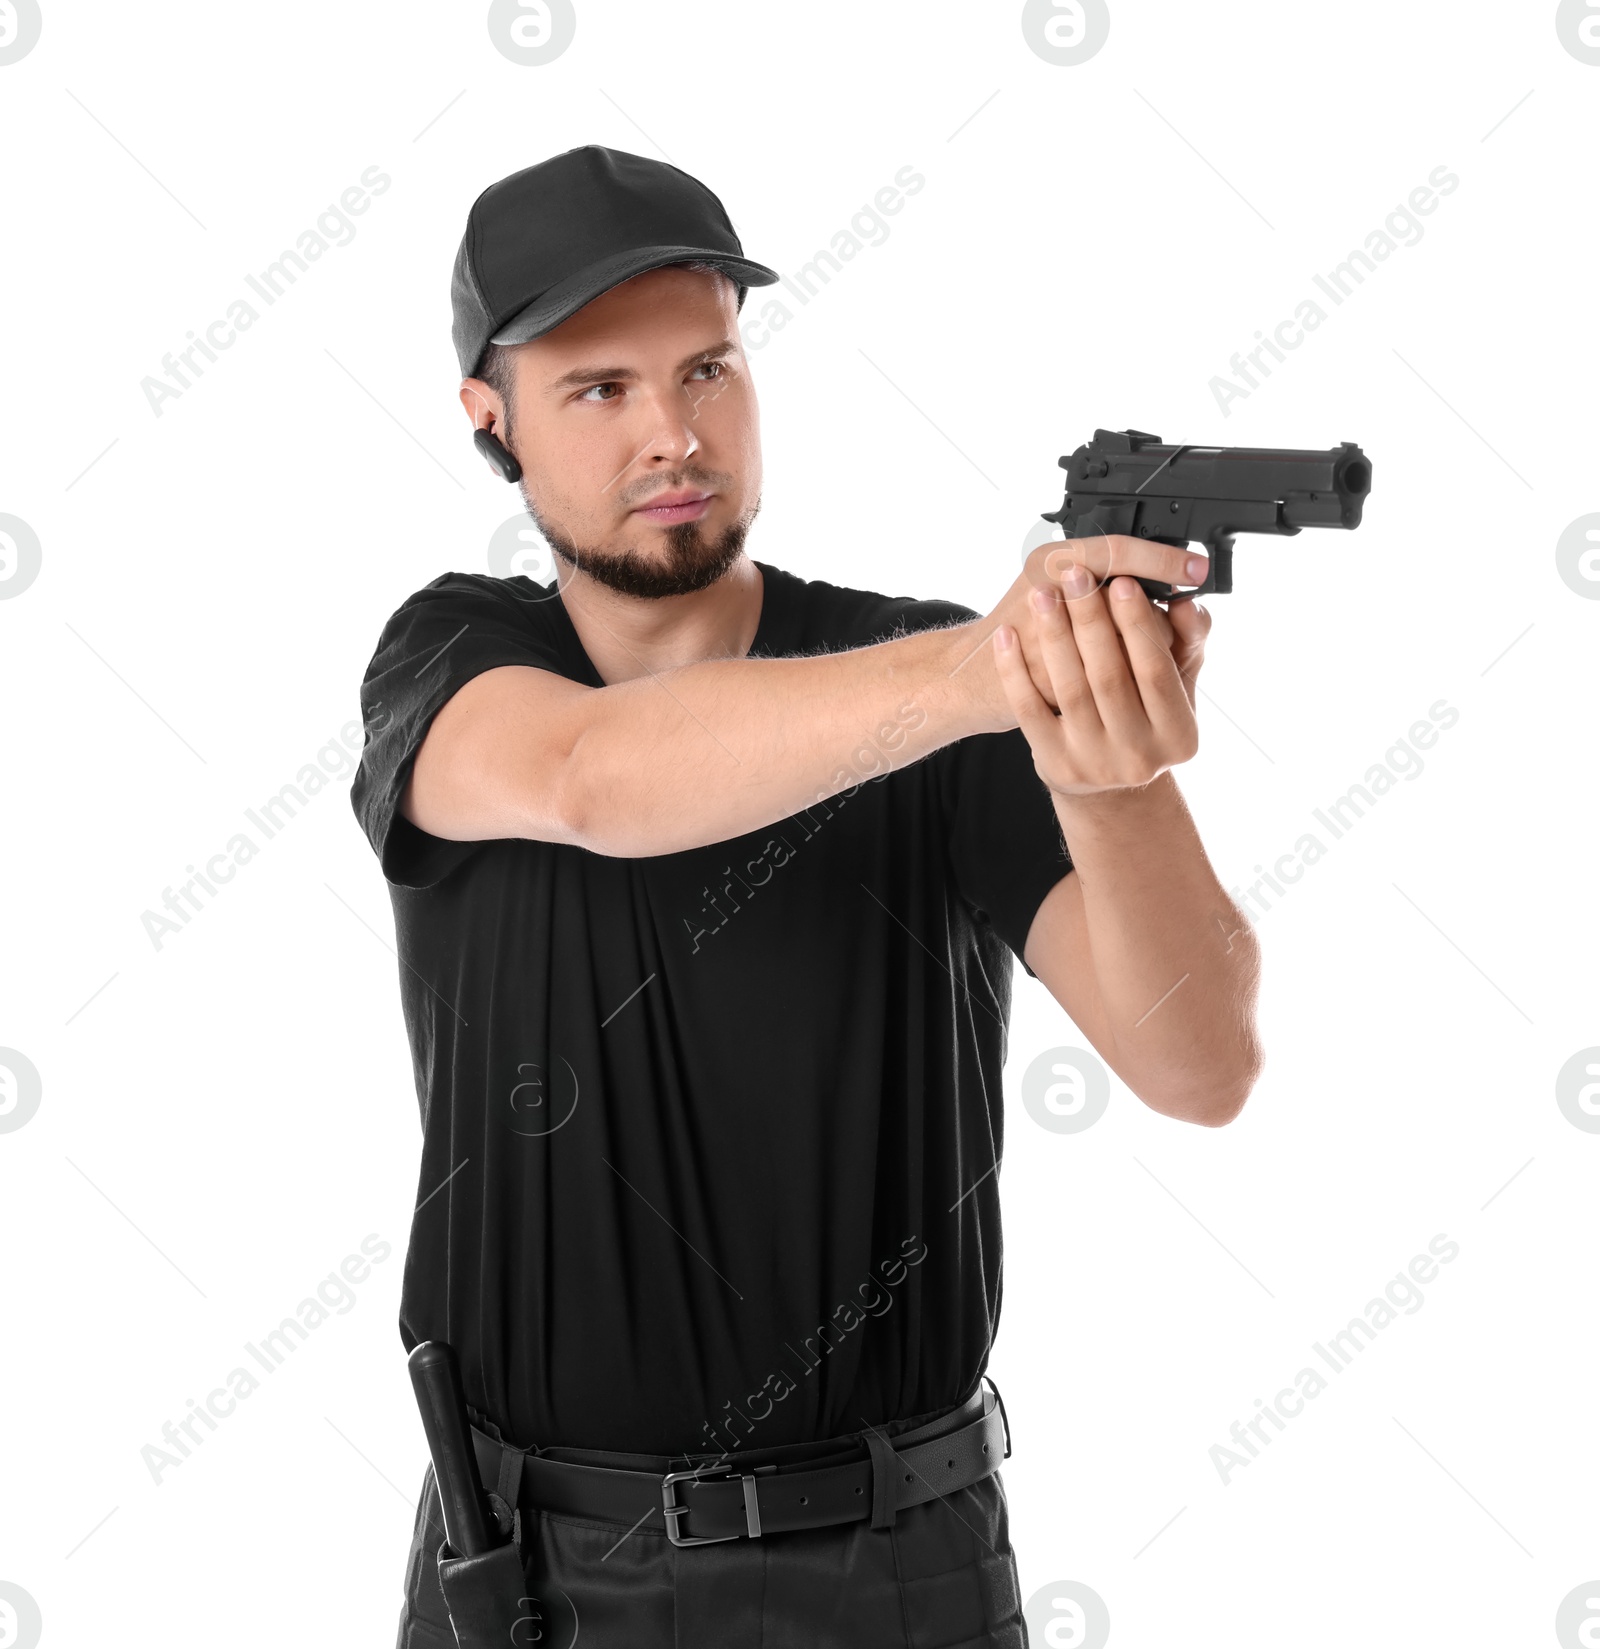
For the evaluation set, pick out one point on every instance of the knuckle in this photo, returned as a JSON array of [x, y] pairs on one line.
[[1053, 567]]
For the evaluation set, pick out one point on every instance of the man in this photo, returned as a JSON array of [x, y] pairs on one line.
[[707, 880]]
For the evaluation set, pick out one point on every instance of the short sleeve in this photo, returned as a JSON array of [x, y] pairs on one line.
[[1005, 842], [437, 640]]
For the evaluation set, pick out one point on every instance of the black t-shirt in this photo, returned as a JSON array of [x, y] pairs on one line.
[[710, 1137]]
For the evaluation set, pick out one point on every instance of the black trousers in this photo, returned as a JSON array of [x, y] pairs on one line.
[[942, 1577]]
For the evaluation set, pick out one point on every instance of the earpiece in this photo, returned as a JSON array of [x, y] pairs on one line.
[[500, 458]]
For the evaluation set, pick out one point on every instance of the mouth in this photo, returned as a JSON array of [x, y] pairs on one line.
[[671, 507]]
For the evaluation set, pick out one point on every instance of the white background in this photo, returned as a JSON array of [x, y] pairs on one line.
[[225, 1118]]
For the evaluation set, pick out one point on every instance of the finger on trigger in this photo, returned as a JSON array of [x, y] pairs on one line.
[[1115, 554]]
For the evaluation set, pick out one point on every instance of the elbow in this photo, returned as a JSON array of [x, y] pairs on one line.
[[1215, 1097], [570, 804], [1225, 1098], [560, 804], [1221, 1109], [1237, 1066], [591, 809]]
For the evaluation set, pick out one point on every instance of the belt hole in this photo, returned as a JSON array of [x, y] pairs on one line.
[[804, 1501], [858, 1491], [908, 1477], [951, 1464], [985, 1448]]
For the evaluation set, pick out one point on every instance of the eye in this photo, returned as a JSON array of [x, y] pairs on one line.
[[720, 367], [593, 387]]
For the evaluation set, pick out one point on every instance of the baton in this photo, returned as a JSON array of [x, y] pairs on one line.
[[469, 1525]]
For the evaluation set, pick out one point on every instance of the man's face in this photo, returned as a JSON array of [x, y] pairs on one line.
[[644, 394]]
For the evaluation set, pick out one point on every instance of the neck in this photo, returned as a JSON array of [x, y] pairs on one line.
[[628, 636]]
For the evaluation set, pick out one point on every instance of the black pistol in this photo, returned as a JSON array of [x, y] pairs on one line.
[[1127, 482]]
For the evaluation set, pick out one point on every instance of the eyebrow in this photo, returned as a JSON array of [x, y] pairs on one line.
[[585, 376]]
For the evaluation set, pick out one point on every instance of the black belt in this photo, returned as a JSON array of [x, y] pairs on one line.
[[722, 1500]]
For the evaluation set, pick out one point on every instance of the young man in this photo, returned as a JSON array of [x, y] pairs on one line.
[[707, 880]]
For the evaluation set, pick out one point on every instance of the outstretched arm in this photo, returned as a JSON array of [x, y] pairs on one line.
[[685, 756], [705, 751]]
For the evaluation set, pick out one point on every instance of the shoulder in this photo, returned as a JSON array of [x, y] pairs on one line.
[[463, 623], [481, 593], [842, 615]]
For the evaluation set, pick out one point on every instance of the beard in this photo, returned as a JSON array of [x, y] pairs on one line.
[[692, 560]]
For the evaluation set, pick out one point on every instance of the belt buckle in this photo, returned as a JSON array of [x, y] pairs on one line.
[[672, 1510]]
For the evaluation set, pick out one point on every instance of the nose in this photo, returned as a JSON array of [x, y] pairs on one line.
[[669, 434]]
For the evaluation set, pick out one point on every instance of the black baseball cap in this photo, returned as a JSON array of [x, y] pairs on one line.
[[545, 241]]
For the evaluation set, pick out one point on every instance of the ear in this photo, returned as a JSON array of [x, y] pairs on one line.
[[481, 404]]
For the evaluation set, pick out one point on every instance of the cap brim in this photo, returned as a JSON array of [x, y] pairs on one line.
[[563, 301]]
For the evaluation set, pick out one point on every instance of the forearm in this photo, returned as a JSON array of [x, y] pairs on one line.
[[1174, 958], [712, 750]]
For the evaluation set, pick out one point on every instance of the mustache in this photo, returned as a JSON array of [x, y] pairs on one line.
[[709, 480]]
